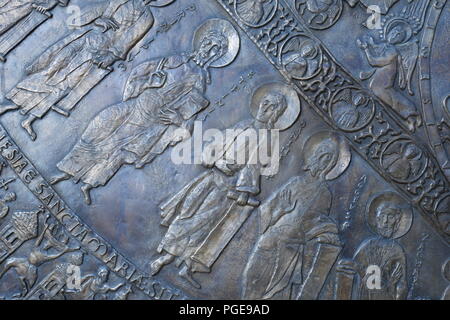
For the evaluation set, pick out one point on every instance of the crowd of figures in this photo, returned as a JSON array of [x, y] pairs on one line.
[[299, 243]]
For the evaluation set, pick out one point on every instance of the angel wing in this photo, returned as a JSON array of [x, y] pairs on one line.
[[408, 59]]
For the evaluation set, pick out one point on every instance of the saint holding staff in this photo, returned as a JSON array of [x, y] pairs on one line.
[[206, 214]]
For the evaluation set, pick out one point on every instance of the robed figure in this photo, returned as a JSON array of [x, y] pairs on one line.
[[72, 67], [379, 263], [161, 96], [206, 214], [299, 241]]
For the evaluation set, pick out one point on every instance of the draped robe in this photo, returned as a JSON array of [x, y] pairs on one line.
[[66, 72], [202, 218], [130, 132], [289, 242]]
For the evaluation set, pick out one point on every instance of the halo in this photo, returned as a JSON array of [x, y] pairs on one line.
[[446, 269], [303, 40], [343, 162], [160, 3], [226, 29], [391, 197], [293, 110], [344, 154], [398, 22]]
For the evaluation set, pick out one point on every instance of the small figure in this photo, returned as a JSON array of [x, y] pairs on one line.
[[301, 58], [254, 12], [27, 268], [96, 287], [9, 197]]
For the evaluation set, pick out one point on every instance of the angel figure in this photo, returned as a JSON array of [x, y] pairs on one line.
[[73, 66], [301, 58], [321, 10], [394, 58], [252, 11]]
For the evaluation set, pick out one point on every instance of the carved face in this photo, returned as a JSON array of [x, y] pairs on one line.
[[388, 219], [103, 274], [271, 108], [211, 48], [396, 35], [10, 196], [319, 160], [359, 100], [308, 50]]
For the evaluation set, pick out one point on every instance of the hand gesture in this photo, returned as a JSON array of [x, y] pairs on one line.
[[285, 200], [168, 116], [106, 24], [362, 44], [158, 79]]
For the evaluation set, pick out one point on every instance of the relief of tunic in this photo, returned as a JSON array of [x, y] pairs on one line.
[[196, 210], [130, 132], [285, 251], [391, 258]]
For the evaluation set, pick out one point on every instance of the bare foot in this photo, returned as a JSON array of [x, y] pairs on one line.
[[86, 189], [60, 178], [26, 124], [157, 265]]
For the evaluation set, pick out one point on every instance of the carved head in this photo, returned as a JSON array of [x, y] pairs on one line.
[[388, 219], [212, 47], [359, 100], [103, 274], [308, 50], [10, 196], [411, 151], [272, 106], [321, 157], [396, 35]]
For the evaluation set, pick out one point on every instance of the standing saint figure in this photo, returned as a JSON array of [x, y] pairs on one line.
[[72, 67], [12, 11], [206, 214], [389, 217], [161, 96], [299, 242]]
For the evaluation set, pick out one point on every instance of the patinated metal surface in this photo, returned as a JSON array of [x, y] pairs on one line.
[[112, 186]]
